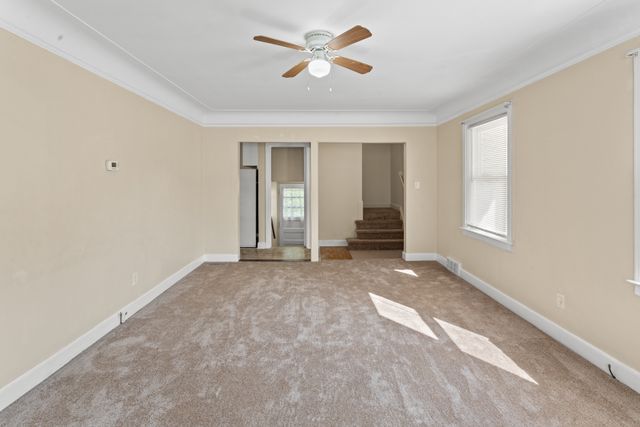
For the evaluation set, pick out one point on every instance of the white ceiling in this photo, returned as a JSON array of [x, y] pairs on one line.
[[429, 57]]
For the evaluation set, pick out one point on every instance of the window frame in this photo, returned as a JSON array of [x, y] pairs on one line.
[[292, 186], [502, 242], [634, 54]]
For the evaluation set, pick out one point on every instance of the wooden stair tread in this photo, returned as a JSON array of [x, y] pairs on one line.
[[373, 213], [377, 224], [385, 233], [375, 244]]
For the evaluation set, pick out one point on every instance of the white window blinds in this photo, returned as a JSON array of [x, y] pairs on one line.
[[488, 189]]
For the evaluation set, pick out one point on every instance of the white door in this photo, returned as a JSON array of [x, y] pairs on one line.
[[291, 201], [248, 208]]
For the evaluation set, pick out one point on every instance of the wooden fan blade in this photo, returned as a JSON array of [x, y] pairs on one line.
[[296, 69], [358, 67], [265, 39], [349, 37]]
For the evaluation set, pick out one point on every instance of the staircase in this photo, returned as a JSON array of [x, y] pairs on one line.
[[381, 229]]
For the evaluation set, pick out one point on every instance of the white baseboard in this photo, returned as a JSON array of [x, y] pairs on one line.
[[624, 373], [322, 243], [34, 376], [221, 257], [419, 256], [263, 245]]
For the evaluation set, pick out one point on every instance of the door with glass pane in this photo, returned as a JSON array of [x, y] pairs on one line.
[[292, 217]]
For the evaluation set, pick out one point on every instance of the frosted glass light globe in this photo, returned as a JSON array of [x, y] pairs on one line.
[[319, 67]]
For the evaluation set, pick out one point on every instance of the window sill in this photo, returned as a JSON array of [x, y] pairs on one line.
[[637, 286], [500, 243]]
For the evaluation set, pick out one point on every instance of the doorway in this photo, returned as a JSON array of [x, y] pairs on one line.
[[287, 220], [361, 200], [282, 210]]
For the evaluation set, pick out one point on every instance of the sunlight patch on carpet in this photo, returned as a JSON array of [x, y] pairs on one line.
[[482, 348], [401, 314], [406, 271]]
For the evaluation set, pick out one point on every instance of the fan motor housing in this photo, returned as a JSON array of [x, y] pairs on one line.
[[317, 39]]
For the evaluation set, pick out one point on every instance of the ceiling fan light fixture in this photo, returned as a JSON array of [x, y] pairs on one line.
[[319, 66], [322, 45]]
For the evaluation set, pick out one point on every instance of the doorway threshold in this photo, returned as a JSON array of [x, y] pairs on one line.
[[282, 253]]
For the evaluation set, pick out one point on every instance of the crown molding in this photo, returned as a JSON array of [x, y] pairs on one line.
[[49, 26], [319, 118], [45, 24], [502, 87]]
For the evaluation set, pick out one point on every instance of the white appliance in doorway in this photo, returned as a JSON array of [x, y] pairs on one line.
[[248, 208], [291, 214]]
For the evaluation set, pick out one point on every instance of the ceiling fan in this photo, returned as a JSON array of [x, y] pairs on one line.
[[322, 46]]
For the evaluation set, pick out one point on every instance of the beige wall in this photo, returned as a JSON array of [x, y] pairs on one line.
[[381, 185], [221, 178], [287, 164], [340, 191], [572, 203], [397, 165], [71, 233], [376, 175]]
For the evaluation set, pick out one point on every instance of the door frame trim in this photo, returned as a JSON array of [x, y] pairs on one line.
[[307, 189]]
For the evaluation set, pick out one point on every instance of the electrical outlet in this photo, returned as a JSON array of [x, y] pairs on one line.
[[560, 301], [134, 279], [112, 165]]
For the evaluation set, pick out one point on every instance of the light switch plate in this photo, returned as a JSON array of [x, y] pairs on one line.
[[416, 185]]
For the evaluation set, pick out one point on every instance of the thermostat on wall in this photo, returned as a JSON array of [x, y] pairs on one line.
[[112, 165]]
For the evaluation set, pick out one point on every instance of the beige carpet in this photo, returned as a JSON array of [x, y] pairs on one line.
[[373, 342], [381, 254]]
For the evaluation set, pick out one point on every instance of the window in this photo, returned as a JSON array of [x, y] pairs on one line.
[[293, 203], [487, 176]]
